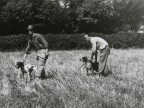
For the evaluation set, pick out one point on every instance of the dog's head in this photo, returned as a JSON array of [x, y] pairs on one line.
[[84, 59], [19, 65]]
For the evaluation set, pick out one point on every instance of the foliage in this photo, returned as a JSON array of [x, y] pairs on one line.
[[129, 14], [13, 42], [15, 16], [81, 16], [73, 41]]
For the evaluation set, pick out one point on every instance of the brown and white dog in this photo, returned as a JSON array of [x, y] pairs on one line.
[[90, 65], [28, 70]]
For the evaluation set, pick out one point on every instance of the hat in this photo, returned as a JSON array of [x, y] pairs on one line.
[[30, 27]]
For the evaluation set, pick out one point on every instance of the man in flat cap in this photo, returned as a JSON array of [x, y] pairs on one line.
[[41, 45]]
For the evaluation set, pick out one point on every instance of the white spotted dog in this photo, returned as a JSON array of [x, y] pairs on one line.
[[90, 65], [28, 70]]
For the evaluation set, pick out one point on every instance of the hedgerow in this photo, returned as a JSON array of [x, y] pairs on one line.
[[73, 41]]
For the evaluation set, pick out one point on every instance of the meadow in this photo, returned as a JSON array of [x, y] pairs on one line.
[[67, 87]]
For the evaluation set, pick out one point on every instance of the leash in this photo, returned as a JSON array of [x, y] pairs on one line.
[[81, 67]]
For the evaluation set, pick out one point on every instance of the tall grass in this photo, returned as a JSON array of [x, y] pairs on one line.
[[70, 88]]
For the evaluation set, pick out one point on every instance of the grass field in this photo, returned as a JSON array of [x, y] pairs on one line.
[[68, 88]]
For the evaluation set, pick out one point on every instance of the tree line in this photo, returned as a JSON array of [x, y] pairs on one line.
[[76, 16]]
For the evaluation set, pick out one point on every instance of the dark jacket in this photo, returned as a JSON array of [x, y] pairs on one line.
[[38, 41]]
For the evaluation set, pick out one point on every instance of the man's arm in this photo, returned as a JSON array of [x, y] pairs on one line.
[[47, 52], [24, 59], [27, 50], [44, 42], [93, 50]]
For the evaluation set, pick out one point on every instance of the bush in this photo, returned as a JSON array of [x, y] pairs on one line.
[[56, 42], [73, 41], [13, 42], [66, 41]]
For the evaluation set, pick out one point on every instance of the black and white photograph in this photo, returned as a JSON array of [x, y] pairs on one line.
[[71, 53]]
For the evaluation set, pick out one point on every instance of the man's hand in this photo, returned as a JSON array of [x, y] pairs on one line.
[[92, 60], [24, 59], [47, 55], [92, 54]]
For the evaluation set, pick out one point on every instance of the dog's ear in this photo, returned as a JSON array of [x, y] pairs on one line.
[[19, 64], [84, 59]]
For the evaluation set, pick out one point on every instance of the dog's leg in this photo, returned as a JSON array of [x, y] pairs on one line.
[[23, 74], [27, 77], [87, 71], [30, 74], [24, 77]]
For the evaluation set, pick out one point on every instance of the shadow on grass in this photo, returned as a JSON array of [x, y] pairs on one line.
[[48, 75]]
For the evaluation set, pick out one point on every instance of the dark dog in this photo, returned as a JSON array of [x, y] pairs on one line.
[[27, 70], [90, 65]]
